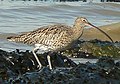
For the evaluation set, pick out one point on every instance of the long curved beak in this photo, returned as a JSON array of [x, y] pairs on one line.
[[89, 24]]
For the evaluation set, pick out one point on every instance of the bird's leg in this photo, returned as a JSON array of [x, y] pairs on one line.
[[36, 48], [49, 61]]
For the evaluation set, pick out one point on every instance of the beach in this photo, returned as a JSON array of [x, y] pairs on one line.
[[113, 30]]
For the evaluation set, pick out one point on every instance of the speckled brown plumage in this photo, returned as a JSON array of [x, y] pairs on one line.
[[56, 36]]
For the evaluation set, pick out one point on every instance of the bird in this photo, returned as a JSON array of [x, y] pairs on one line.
[[54, 38]]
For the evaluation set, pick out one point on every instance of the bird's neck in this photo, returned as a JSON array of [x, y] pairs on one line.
[[78, 30]]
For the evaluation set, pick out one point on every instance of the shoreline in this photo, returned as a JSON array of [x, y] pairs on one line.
[[113, 30]]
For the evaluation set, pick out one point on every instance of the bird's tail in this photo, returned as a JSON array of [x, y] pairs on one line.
[[13, 38]]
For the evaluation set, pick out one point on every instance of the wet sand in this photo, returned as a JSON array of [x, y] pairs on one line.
[[113, 30]]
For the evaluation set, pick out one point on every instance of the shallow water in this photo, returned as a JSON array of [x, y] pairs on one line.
[[20, 16], [84, 60]]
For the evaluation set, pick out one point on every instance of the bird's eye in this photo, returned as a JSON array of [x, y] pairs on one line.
[[84, 20]]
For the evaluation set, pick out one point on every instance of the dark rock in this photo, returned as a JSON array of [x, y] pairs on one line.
[[118, 64], [93, 49], [20, 67], [106, 62]]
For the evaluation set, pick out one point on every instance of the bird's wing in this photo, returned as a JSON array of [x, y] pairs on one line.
[[42, 35]]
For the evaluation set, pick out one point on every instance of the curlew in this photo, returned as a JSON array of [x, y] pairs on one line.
[[54, 37]]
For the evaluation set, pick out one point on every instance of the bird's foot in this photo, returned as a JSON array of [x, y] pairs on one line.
[[39, 67]]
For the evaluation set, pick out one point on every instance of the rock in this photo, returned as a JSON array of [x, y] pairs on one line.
[[93, 49], [20, 67], [118, 64]]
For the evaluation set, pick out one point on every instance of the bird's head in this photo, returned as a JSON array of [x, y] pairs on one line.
[[81, 22]]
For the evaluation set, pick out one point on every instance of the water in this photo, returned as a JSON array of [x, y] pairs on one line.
[[20, 16]]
